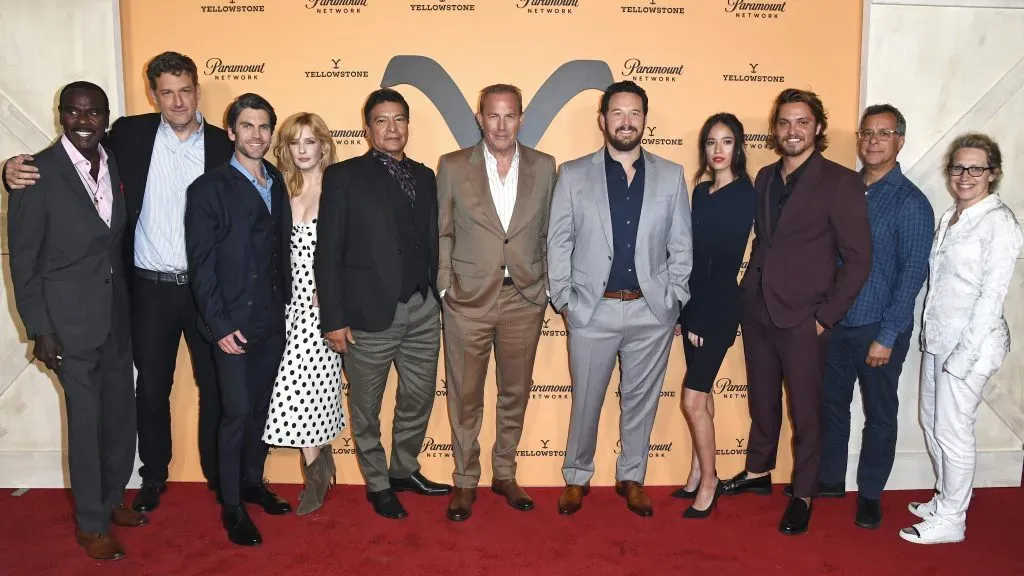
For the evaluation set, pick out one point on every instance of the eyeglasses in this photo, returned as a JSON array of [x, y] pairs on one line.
[[958, 170], [883, 135]]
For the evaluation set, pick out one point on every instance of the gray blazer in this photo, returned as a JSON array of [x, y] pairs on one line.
[[66, 264], [580, 238]]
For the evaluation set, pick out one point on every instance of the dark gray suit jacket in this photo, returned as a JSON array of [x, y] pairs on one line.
[[66, 264]]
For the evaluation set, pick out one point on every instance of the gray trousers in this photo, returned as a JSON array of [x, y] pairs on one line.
[[629, 331], [412, 343]]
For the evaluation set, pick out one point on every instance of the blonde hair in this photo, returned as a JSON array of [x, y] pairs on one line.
[[289, 131], [984, 143]]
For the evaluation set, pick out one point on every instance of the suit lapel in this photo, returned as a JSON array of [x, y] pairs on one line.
[[524, 188], [650, 192], [70, 173], [806, 182], [476, 176], [599, 191], [118, 212]]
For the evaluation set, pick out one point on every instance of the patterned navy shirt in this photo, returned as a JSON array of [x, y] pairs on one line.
[[902, 224]]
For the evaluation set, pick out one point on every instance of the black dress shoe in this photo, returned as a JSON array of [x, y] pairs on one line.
[[271, 503], [420, 485], [738, 484], [148, 498], [837, 490], [240, 528], [796, 518], [386, 503], [869, 513]]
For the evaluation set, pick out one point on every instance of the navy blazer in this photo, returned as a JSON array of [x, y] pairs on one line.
[[220, 212]]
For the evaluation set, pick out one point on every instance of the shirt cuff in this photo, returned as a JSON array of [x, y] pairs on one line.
[[886, 337]]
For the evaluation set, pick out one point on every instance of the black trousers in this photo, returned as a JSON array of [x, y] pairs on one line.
[[100, 402], [161, 313], [879, 393], [246, 384]]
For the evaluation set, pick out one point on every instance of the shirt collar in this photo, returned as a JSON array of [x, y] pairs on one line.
[[492, 159], [992, 202], [638, 164], [76, 157], [893, 177], [193, 137], [245, 172], [795, 175]]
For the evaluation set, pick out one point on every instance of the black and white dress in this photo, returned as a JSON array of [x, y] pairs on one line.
[[305, 409]]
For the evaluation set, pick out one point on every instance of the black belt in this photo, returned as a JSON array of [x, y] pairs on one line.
[[507, 281], [169, 277]]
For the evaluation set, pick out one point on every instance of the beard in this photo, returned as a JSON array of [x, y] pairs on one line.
[[624, 141], [244, 151]]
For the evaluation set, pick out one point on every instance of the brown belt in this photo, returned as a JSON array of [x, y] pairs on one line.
[[624, 295]]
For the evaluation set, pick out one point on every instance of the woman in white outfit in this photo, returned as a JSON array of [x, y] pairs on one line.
[[305, 409], [964, 333]]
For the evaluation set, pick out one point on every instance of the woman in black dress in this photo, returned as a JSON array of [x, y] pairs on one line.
[[724, 202]]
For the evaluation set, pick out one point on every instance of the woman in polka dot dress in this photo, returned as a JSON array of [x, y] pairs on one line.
[[305, 410]]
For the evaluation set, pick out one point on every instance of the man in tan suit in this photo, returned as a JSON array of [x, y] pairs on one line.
[[493, 218]]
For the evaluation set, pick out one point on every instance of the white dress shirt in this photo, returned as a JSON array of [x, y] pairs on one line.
[[160, 233], [970, 270], [503, 193]]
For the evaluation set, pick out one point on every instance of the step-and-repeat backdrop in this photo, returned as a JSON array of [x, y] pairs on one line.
[[694, 58]]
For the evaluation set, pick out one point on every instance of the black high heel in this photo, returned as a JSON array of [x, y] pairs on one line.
[[684, 494], [692, 512]]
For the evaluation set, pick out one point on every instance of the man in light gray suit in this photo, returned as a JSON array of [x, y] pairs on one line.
[[619, 257]]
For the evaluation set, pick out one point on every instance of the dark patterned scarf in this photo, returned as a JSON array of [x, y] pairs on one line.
[[399, 170]]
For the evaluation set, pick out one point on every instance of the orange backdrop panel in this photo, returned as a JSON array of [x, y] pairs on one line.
[[694, 58]]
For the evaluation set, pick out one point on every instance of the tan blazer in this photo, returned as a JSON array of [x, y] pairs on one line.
[[474, 248]]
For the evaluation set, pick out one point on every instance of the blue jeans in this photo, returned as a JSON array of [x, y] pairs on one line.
[[844, 365]]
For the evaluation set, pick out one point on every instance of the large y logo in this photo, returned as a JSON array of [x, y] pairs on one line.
[[437, 85]]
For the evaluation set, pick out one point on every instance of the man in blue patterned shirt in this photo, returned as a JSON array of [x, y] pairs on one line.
[[871, 342]]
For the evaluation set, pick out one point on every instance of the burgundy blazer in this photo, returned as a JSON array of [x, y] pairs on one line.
[[797, 265]]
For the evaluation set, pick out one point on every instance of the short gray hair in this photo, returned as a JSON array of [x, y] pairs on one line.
[[875, 110]]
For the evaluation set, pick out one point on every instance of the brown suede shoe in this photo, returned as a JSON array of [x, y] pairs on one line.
[[514, 494], [100, 546], [636, 500], [460, 507], [127, 517], [571, 499]]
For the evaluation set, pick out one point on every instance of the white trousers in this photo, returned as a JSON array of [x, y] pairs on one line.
[[949, 411]]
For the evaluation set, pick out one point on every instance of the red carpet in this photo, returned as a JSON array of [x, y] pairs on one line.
[[346, 538]]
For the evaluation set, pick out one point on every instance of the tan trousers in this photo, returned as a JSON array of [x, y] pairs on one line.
[[512, 327]]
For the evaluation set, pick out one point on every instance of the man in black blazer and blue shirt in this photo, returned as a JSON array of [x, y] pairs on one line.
[[237, 232], [376, 277], [69, 284], [159, 155]]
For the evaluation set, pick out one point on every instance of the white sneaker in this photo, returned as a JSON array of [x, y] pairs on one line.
[[933, 531], [923, 510]]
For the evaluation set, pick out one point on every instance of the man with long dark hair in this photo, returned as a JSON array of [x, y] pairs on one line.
[[794, 292]]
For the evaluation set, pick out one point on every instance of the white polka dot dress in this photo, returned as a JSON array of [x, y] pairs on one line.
[[305, 409]]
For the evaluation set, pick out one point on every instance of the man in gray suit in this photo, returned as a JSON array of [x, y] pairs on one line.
[[69, 284], [619, 257]]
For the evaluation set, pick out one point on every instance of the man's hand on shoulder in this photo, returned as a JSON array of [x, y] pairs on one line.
[[18, 174]]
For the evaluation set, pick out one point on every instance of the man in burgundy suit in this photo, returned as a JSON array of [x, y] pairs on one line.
[[811, 255]]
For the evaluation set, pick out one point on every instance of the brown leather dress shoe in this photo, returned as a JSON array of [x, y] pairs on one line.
[[514, 494], [636, 500], [127, 517], [460, 507], [100, 546], [571, 499]]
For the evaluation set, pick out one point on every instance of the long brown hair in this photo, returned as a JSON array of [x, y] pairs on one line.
[[795, 96], [289, 131]]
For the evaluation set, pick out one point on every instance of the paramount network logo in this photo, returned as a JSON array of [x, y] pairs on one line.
[[216, 68], [651, 139], [336, 6], [639, 72], [653, 450], [739, 450], [725, 388], [548, 6], [433, 449], [336, 71], [548, 330], [753, 76], [651, 7], [353, 137], [346, 387], [550, 391], [757, 141], [347, 447], [662, 395], [442, 6], [543, 450], [231, 7], [437, 85], [762, 10]]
